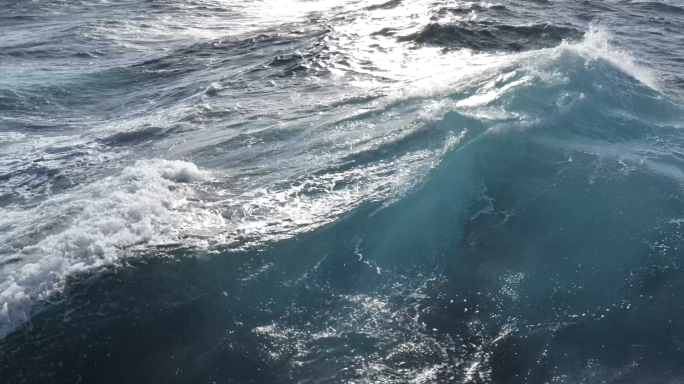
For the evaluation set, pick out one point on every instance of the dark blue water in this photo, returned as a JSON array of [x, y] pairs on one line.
[[341, 192]]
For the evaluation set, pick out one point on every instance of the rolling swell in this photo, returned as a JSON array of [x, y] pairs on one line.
[[658, 7], [481, 36], [241, 192], [538, 249]]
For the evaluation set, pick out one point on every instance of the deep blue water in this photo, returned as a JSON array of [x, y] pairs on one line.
[[341, 191]]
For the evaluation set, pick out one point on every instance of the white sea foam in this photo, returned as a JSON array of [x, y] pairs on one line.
[[89, 228], [596, 45], [489, 75]]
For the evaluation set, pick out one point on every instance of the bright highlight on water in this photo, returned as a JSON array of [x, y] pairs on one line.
[[345, 191]]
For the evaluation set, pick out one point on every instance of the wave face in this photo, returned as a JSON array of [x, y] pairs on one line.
[[341, 191]]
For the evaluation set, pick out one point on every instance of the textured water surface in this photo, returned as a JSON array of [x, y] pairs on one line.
[[342, 191]]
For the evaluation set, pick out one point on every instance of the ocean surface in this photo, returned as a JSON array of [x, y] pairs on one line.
[[341, 191]]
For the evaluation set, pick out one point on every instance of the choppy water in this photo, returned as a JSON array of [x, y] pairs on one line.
[[294, 191]]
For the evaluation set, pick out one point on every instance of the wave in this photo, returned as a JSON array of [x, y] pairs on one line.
[[522, 205], [655, 6], [533, 247], [481, 36], [154, 202]]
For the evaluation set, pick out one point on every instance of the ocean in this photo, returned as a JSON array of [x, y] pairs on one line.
[[341, 191]]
